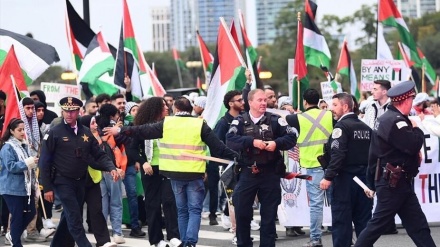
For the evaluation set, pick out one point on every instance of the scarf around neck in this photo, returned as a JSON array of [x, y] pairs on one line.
[[21, 148]]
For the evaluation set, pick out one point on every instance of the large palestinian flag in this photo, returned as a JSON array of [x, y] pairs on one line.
[[389, 15], [227, 74], [11, 79], [97, 62], [251, 55], [33, 56], [315, 47], [345, 67], [300, 82]]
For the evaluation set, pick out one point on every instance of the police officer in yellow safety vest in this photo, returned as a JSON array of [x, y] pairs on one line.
[[179, 134], [314, 127]]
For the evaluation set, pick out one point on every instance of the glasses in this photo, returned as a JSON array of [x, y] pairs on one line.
[[237, 100]]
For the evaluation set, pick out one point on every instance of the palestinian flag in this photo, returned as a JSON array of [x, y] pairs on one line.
[[234, 34], [429, 70], [12, 79], [33, 56], [389, 15], [315, 47], [300, 82], [98, 61], [383, 51], [345, 67], [251, 55], [128, 59], [227, 74], [178, 60], [206, 57]]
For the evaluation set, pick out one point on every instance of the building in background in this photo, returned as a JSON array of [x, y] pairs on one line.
[[161, 28], [417, 8], [266, 15], [183, 24]]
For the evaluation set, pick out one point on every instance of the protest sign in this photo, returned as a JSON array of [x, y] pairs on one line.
[[56, 91], [394, 71]]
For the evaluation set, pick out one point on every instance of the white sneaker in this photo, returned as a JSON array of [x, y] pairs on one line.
[[110, 244], [118, 239], [47, 232], [234, 240], [175, 242], [8, 238], [226, 222], [162, 244], [205, 215], [48, 224], [255, 226]]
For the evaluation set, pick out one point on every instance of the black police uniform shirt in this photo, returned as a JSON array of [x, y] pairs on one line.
[[394, 141], [282, 134], [348, 147], [71, 154]]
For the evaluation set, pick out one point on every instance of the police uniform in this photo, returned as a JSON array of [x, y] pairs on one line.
[[64, 160], [348, 148], [260, 172], [395, 145]]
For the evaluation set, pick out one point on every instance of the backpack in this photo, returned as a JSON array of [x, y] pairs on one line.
[[116, 153]]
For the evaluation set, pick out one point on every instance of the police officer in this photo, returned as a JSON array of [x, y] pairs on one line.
[[66, 150], [259, 136], [348, 148], [395, 146]]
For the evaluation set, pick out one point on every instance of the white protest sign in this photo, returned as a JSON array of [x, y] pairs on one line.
[[328, 92], [56, 91], [426, 186], [394, 71]]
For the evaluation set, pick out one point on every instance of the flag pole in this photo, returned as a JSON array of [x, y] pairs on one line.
[[298, 84], [179, 74], [423, 79]]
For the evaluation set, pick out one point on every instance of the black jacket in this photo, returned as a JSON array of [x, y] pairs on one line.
[[348, 147], [394, 141], [71, 154]]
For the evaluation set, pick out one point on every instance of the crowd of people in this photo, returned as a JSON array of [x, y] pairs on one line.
[[155, 152]]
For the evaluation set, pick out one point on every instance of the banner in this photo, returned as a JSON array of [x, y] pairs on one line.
[[56, 91], [394, 71], [294, 199]]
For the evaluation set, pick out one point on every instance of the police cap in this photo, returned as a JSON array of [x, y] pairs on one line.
[[70, 103], [402, 91]]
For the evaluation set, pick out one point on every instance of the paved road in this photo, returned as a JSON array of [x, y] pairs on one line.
[[210, 236]]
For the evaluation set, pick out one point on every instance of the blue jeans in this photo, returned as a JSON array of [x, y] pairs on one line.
[[189, 200], [316, 200], [112, 201], [130, 189]]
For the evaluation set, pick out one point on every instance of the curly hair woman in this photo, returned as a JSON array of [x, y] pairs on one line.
[[157, 188]]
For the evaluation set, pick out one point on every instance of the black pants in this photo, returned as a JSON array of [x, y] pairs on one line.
[[349, 204], [213, 178], [267, 187], [71, 194], [5, 216], [158, 196], [22, 213], [402, 201]]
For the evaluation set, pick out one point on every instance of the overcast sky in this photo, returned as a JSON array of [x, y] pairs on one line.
[[45, 19]]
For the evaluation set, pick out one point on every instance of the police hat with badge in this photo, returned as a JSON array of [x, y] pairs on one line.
[[70, 104], [402, 91]]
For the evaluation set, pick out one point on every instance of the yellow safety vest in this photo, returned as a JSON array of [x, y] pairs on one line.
[[315, 127], [95, 175], [182, 134]]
